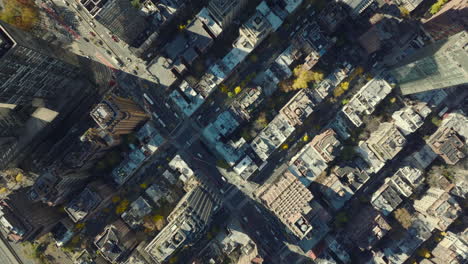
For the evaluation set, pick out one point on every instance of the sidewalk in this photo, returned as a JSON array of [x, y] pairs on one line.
[[11, 253]]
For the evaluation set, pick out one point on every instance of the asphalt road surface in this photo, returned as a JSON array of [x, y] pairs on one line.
[[6, 255]]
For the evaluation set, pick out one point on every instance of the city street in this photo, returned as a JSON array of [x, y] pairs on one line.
[[11, 253], [267, 52], [93, 40], [7, 256]]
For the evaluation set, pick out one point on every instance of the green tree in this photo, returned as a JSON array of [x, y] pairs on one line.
[[246, 134], [222, 164], [436, 121], [253, 58], [135, 3]]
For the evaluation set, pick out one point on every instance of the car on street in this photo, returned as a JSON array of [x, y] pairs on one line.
[[119, 62], [86, 39], [149, 100], [128, 59], [135, 72], [108, 52], [114, 38], [92, 24], [92, 33]]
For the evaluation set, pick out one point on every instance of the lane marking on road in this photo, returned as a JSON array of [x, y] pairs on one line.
[[105, 62], [60, 21]]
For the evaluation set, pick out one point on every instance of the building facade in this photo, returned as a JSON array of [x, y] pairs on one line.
[[54, 188], [119, 16], [450, 20], [225, 11], [439, 65], [439, 206], [187, 223], [386, 142], [30, 68], [118, 116], [31, 72], [24, 220], [289, 200]]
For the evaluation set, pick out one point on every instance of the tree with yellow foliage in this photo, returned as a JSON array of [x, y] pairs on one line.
[[284, 146], [435, 8], [344, 86], [424, 252], [304, 77], [237, 90], [14, 179], [404, 12], [22, 14], [80, 226], [122, 206], [224, 88], [403, 217], [115, 199]]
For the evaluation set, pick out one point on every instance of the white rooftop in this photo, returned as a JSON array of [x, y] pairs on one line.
[[205, 17], [195, 100], [178, 164], [366, 99]]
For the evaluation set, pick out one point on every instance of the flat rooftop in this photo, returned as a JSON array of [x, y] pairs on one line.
[[103, 114], [82, 205]]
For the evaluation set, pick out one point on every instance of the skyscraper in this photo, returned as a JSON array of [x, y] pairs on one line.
[[53, 188], [439, 65], [186, 223], [31, 68], [450, 20], [119, 16], [35, 87], [24, 220], [118, 116], [225, 11]]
